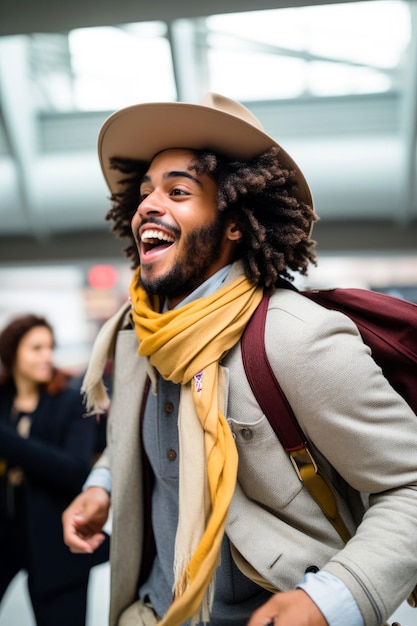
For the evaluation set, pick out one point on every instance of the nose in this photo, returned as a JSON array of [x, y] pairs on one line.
[[152, 204], [48, 355]]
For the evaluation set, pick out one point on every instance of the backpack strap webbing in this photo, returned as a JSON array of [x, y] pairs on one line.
[[280, 415]]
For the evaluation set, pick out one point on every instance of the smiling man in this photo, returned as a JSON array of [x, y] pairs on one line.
[[210, 523]]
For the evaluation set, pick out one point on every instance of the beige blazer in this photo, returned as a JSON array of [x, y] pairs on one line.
[[365, 432]]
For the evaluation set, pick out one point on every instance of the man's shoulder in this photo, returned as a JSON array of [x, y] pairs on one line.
[[122, 317], [288, 307], [294, 324], [120, 321], [116, 336], [292, 300], [292, 305]]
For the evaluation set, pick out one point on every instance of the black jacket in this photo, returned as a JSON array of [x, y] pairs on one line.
[[55, 459]]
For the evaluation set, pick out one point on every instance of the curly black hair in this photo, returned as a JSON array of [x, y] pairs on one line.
[[260, 195]]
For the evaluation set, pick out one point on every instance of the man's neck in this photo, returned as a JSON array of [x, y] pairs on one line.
[[206, 288]]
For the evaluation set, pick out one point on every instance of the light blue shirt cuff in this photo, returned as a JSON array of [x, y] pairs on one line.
[[99, 477], [333, 599]]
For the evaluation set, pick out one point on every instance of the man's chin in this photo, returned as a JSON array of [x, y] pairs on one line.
[[153, 284]]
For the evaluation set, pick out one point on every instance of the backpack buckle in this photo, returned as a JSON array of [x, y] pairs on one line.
[[300, 458]]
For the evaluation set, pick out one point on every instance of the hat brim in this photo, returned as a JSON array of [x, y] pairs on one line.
[[141, 131]]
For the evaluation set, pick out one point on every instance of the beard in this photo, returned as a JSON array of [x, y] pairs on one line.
[[203, 247]]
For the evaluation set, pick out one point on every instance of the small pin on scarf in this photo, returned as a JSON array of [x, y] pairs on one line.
[[198, 381]]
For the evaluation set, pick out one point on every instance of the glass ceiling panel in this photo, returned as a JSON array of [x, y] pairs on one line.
[[318, 50], [115, 66], [374, 33]]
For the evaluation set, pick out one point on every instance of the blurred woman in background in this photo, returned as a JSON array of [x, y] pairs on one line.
[[46, 450]]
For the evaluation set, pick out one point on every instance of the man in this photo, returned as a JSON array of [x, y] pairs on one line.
[[210, 521]]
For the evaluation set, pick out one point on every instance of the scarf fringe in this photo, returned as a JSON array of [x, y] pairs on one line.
[[181, 584], [203, 615], [181, 577], [96, 399]]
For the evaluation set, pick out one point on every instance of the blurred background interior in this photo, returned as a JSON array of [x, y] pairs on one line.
[[335, 83]]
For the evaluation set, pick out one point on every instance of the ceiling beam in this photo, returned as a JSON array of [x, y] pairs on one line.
[[18, 115], [49, 16], [189, 56], [409, 126]]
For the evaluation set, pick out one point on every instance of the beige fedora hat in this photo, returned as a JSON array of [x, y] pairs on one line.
[[217, 123]]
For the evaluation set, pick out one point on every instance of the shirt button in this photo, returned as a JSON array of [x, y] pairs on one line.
[[172, 455], [246, 433], [169, 407]]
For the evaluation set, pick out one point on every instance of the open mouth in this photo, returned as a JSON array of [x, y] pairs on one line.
[[154, 240]]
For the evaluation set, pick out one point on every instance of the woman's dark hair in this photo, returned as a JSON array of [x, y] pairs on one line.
[[10, 338], [260, 196]]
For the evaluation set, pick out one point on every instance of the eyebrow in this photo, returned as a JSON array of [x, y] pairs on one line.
[[174, 174]]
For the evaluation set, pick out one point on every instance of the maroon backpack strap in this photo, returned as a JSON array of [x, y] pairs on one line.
[[264, 384], [280, 415]]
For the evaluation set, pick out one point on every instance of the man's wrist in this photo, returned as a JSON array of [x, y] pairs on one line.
[[333, 598], [98, 477]]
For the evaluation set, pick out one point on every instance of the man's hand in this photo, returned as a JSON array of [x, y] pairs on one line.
[[288, 608], [84, 519]]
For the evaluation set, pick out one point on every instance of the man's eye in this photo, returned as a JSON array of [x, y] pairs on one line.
[[179, 192]]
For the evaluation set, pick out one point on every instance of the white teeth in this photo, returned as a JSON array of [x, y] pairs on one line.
[[156, 234]]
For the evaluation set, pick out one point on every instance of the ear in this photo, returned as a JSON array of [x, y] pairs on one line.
[[233, 232]]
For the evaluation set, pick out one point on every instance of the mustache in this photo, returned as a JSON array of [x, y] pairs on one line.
[[157, 222]]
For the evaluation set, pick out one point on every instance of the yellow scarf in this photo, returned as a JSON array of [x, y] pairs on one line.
[[185, 345]]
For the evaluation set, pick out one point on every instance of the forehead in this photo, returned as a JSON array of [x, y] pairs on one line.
[[37, 334], [172, 158]]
